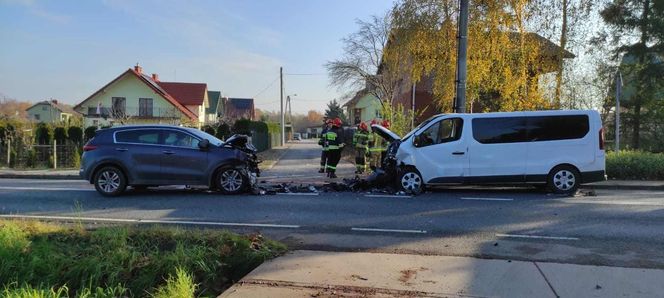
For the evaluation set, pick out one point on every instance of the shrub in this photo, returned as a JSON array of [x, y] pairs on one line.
[[43, 134], [223, 131], [208, 129], [60, 135], [635, 165], [90, 132], [242, 126], [75, 134]]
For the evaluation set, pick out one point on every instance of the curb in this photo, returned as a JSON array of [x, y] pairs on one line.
[[37, 176], [625, 187]]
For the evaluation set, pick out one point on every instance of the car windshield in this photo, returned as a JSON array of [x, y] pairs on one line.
[[204, 135], [425, 122]]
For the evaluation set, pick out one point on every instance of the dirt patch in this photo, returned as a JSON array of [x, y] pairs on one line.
[[407, 275]]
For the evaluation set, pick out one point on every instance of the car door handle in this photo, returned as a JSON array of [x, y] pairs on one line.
[[121, 149], [458, 153], [168, 152]]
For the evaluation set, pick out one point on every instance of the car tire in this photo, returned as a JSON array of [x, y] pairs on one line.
[[410, 180], [231, 181], [564, 179], [110, 181]]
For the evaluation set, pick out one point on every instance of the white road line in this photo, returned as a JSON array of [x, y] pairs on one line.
[[43, 188], [389, 230], [536, 237], [298, 193], [631, 203], [387, 196], [486, 199], [152, 221]]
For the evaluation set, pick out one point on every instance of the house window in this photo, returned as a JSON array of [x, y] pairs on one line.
[[43, 108], [92, 111], [145, 107], [119, 107], [378, 114], [37, 117]]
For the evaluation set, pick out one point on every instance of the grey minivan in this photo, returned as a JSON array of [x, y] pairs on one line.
[[154, 155]]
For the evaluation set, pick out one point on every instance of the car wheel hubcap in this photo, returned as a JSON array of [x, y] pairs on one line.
[[109, 181], [231, 180], [411, 181], [564, 180]]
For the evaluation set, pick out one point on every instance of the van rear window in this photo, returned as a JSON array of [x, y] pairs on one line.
[[530, 129]]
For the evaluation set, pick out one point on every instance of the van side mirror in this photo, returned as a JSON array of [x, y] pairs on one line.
[[416, 140], [204, 144]]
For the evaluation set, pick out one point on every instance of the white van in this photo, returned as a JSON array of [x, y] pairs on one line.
[[557, 149]]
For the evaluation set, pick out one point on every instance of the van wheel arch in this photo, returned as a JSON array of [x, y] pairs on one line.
[[564, 185], [408, 178]]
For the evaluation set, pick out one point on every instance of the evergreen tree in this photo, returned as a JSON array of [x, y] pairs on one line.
[[334, 110], [645, 19]]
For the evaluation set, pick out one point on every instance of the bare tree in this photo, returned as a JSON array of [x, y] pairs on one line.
[[361, 65]]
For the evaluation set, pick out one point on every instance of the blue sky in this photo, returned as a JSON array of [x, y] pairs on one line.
[[69, 49]]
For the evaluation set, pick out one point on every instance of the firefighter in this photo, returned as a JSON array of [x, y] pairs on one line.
[[335, 142], [375, 148], [361, 143], [323, 143]]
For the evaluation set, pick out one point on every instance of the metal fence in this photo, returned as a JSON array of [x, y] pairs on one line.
[[39, 156]]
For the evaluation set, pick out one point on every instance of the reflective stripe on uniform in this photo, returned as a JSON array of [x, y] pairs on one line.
[[331, 167]]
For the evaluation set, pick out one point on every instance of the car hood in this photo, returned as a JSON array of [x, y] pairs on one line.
[[385, 133]]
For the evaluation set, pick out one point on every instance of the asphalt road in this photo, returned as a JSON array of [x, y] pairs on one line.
[[615, 228]]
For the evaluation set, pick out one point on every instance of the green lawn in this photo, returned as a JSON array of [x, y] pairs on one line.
[[50, 260]]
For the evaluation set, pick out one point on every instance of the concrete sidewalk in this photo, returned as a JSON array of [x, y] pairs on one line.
[[344, 274]]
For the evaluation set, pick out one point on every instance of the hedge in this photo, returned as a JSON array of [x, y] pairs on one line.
[[635, 165]]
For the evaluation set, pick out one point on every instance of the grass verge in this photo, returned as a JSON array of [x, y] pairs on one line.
[[49, 260]]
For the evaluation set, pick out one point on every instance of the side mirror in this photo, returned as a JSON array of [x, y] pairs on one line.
[[416, 140], [204, 144]]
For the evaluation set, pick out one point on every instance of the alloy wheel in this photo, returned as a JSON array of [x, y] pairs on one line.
[[231, 180], [109, 181]]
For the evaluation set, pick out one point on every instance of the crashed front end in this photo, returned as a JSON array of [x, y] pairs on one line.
[[246, 152]]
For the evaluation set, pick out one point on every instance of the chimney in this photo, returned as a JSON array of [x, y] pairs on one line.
[[54, 101], [138, 68], [155, 77]]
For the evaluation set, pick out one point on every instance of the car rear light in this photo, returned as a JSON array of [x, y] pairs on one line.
[[89, 147], [601, 138]]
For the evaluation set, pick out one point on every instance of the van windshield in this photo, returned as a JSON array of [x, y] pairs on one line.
[[424, 123]]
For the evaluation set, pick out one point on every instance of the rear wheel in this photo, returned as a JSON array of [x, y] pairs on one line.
[[231, 181], [110, 181], [564, 180], [411, 181]]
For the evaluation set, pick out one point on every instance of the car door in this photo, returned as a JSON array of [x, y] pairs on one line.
[[498, 149], [440, 152], [139, 151], [183, 162]]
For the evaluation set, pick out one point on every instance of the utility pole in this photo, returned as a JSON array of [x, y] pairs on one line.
[[281, 94], [462, 47], [619, 83]]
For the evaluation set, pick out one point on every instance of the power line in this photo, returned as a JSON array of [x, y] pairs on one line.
[[268, 86]]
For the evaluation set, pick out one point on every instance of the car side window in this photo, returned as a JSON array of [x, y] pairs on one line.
[[180, 139], [138, 136], [448, 130]]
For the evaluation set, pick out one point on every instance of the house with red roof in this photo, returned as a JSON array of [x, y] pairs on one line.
[[135, 97]]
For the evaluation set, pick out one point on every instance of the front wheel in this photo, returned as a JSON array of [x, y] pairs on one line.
[[564, 180], [110, 181], [411, 181], [231, 181]]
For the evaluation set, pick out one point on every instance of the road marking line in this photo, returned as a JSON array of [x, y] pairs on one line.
[[387, 196], [632, 203], [536, 237], [389, 230], [43, 188], [298, 193], [486, 199], [153, 221]]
